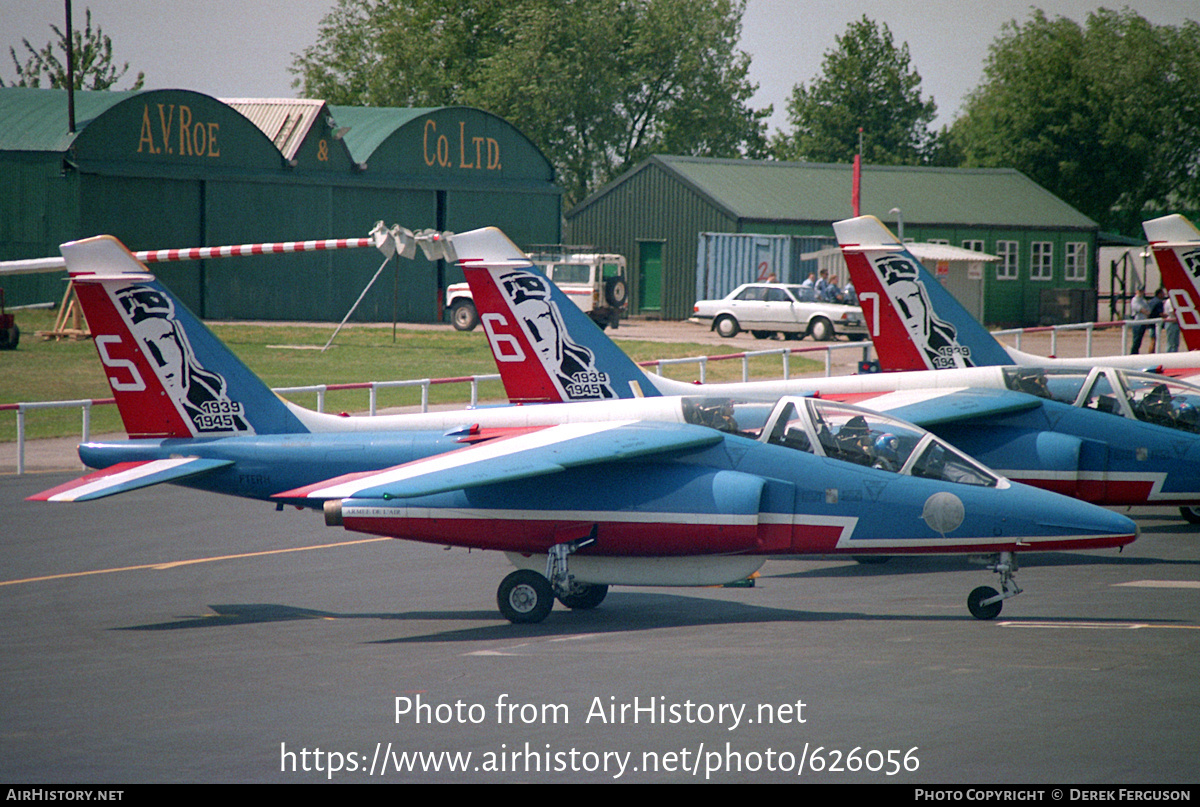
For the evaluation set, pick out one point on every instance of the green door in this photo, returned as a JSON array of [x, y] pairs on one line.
[[650, 275]]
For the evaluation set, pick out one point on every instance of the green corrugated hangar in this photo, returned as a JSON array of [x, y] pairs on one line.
[[174, 168], [655, 212]]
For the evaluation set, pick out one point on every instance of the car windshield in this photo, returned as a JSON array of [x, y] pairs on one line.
[[863, 437]]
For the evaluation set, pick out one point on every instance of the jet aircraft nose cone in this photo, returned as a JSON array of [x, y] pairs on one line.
[[1060, 522], [1084, 519]]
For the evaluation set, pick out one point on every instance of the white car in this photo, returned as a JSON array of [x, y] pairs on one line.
[[766, 309]]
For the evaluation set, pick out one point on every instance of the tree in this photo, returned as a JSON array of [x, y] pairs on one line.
[[597, 84], [1103, 114], [868, 82], [93, 63]]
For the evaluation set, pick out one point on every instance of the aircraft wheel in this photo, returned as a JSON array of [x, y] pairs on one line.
[[726, 326], [464, 316], [584, 596], [1190, 514], [821, 330], [976, 598], [10, 338], [525, 597]]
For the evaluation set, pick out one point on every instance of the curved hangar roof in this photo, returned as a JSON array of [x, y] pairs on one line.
[[119, 131]]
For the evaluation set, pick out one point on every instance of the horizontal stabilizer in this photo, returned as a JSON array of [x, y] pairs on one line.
[[510, 459], [126, 476]]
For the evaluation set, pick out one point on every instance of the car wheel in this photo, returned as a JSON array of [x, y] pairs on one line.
[[464, 316], [726, 326], [820, 329]]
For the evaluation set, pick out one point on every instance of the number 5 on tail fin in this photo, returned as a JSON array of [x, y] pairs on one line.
[[170, 375], [914, 322]]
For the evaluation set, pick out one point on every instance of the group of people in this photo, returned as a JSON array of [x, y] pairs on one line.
[[1146, 306], [825, 289]]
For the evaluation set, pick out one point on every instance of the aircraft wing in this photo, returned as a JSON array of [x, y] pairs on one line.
[[126, 476], [532, 454], [935, 407]]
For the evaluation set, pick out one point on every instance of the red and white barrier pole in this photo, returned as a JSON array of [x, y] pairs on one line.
[[388, 241], [269, 248]]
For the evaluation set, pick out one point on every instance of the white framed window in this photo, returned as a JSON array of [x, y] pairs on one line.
[[1009, 254], [973, 245], [942, 241], [1041, 261], [1075, 261]]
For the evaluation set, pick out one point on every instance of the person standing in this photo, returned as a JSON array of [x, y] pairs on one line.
[[1139, 309], [1171, 318]]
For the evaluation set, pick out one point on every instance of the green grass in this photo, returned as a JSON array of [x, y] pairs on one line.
[[289, 356]]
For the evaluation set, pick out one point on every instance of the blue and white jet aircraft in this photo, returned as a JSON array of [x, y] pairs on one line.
[[916, 324], [671, 491], [1107, 436]]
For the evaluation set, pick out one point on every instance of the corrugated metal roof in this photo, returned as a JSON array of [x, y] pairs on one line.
[[286, 121], [36, 119], [793, 191]]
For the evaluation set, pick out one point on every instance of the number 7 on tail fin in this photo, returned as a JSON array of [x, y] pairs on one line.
[[914, 322]]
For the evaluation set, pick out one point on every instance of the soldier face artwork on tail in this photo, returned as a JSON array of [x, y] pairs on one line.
[[571, 365], [934, 337], [199, 394]]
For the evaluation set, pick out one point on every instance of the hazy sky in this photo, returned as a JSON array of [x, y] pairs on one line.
[[243, 48]]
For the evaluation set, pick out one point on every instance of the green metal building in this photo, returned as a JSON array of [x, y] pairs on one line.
[[174, 168], [655, 212]]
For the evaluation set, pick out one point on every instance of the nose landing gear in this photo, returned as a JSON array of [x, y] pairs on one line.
[[985, 602]]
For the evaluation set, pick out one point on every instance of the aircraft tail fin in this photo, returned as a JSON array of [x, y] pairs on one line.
[[546, 348], [915, 323], [1176, 245], [170, 375]]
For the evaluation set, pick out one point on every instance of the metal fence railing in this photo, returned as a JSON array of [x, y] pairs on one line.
[[424, 384]]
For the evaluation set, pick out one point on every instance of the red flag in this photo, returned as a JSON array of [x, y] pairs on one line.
[[856, 188]]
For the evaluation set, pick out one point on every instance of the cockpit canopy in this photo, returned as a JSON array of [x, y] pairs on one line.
[[842, 432], [1141, 396]]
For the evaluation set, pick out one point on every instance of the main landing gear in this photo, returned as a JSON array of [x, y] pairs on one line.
[[985, 602], [527, 597]]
